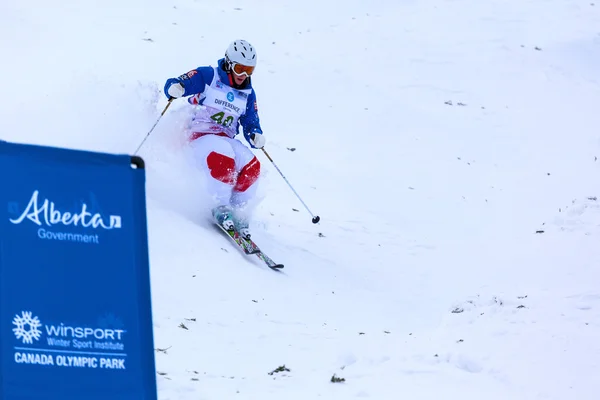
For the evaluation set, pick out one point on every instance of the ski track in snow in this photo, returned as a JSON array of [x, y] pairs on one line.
[[450, 148]]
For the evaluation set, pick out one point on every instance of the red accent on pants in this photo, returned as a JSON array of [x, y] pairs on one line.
[[221, 167], [248, 175], [197, 135]]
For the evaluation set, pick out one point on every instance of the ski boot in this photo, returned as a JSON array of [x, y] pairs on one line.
[[224, 217], [242, 227]]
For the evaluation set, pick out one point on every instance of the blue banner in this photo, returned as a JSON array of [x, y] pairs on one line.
[[75, 304]]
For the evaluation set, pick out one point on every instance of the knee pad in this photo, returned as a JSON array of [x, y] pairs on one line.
[[248, 175], [221, 167]]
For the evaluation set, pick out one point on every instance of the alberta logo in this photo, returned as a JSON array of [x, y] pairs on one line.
[[78, 224], [27, 327], [47, 213]]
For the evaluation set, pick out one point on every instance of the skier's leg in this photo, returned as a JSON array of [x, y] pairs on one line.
[[247, 168], [216, 157]]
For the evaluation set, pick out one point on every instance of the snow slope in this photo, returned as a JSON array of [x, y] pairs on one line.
[[450, 148]]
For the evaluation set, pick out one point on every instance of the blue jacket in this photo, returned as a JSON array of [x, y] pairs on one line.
[[194, 83]]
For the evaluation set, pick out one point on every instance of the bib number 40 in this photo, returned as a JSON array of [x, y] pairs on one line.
[[220, 119]]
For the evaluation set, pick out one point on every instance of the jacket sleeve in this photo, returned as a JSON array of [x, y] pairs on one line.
[[250, 120], [193, 81]]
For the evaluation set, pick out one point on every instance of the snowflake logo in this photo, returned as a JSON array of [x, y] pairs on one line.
[[27, 327]]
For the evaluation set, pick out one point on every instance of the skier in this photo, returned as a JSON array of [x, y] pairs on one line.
[[223, 99]]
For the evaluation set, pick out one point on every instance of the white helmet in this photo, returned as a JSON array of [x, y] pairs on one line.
[[241, 52]]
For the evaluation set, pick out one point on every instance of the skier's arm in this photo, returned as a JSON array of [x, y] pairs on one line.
[[192, 82], [249, 120]]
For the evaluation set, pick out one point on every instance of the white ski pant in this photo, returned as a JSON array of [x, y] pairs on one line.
[[231, 169]]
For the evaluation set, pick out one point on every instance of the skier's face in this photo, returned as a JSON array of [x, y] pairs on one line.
[[239, 79], [241, 72]]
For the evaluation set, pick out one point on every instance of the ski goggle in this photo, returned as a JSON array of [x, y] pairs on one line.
[[240, 69]]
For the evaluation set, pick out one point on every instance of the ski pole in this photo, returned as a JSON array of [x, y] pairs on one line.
[[156, 123], [315, 219]]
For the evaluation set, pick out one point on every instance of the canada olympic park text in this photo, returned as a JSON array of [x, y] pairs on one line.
[[69, 361]]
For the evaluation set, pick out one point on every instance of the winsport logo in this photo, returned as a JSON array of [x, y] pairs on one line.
[[27, 327], [66, 345]]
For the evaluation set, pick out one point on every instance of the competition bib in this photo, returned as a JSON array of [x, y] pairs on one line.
[[223, 106]]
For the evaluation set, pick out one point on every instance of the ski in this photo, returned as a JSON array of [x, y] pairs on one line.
[[237, 239], [254, 249], [249, 247]]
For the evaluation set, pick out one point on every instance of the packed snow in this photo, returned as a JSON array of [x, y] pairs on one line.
[[450, 148]]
